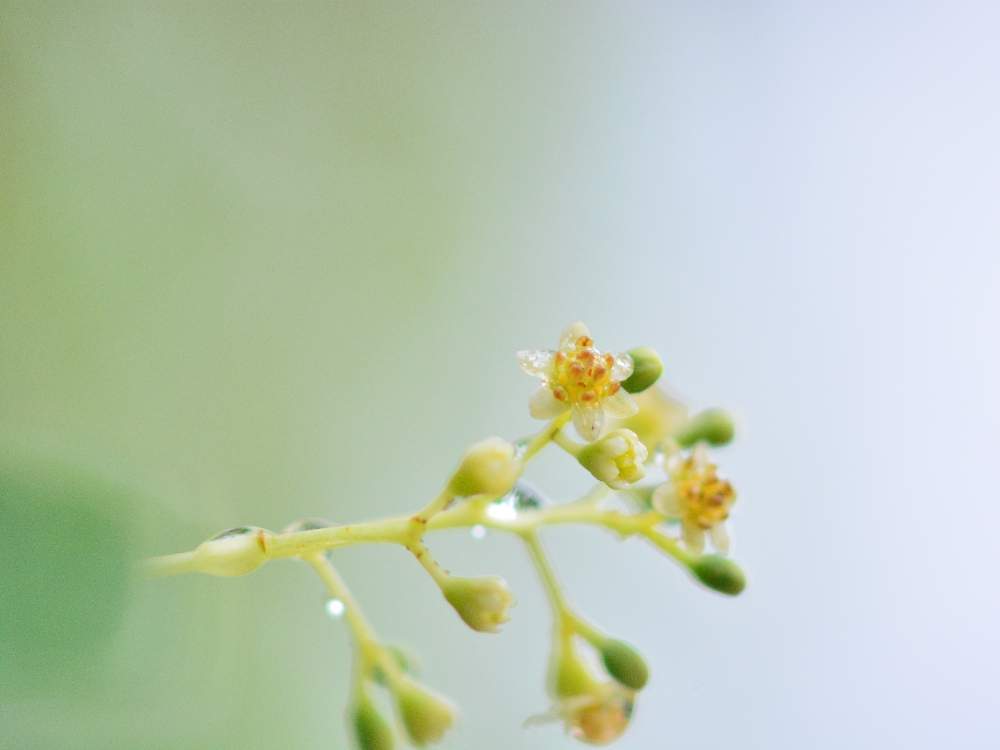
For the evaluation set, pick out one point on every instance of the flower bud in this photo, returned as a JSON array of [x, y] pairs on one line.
[[481, 602], [625, 664], [714, 426], [719, 573], [488, 468], [234, 552], [371, 729], [569, 675], [426, 715], [647, 369], [616, 459]]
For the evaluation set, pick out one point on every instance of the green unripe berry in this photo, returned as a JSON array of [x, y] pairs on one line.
[[647, 369], [625, 664], [714, 426], [720, 574], [371, 729]]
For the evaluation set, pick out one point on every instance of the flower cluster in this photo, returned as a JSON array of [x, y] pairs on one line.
[[631, 430]]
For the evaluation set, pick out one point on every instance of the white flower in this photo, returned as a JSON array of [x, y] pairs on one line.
[[616, 459], [580, 377], [698, 498]]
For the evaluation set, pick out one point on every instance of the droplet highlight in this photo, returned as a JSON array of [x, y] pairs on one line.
[[335, 608]]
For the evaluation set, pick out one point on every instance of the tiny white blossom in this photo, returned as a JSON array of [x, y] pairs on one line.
[[580, 377]]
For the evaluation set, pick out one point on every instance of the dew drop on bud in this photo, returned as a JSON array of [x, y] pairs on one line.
[[307, 524], [238, 531], [335, 608]]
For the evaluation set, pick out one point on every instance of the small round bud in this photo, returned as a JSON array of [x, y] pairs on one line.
[[481, 602], [625, 664], [234, 552], [616, 459], [371, 729], [714, 426], [719, 573], [488, 468], [647, 370], [426, 715]]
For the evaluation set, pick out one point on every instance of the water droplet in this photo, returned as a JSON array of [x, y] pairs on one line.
[[307, 524], [527, 496], [238, 531], [478, 531], [502, 510], [335, 608]]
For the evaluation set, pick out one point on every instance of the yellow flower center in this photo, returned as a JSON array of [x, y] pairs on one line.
[[582, 375], [707, 499], [602, 722]]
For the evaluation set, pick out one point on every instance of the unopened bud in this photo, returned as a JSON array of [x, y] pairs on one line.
[[719, 573], [569, 674], [234, 552], [713, 426], [625, 664], [371, 729], [425, 714], [616, 459], [647, 369], [488, 468], [481, 602]]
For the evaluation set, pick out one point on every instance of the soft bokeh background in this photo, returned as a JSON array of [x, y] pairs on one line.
[[261, 261]]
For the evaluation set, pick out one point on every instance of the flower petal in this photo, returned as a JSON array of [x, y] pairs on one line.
[[622, 367], [666, 500], [720, 538], [694, 537], [543, 405], [620, 405], [572, 333], [537, 362], [588, 420]]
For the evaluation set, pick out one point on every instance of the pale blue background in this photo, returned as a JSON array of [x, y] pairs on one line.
[[270, 260]]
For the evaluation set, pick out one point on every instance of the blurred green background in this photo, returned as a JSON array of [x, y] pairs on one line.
[[260, 261]]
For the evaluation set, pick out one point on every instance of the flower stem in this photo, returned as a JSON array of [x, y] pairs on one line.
[[546, 436], [566, 619], [370, 651]]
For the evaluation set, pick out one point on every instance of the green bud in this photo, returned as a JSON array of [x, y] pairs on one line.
[[569, 674], [648, 368], [625, 664], [234, 552], [481, 602], [426, 715], [488, 468], [720, 574], [714, 426], [371, 729]]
